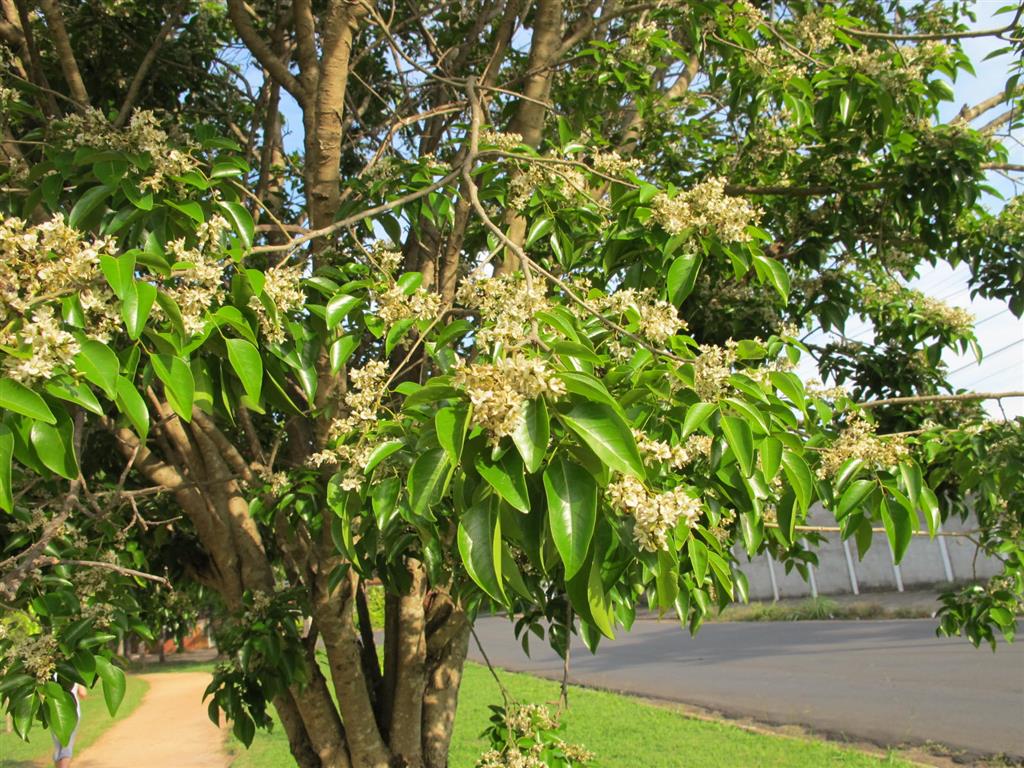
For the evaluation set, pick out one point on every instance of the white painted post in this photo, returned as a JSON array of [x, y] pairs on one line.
[[771, 575], [850, 569], [947, 564], [895, 567], [811, 580]]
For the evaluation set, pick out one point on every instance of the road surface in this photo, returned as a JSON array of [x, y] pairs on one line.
[[888, 682]]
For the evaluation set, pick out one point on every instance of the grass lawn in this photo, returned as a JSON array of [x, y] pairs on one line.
[[15, 753], [622, 731]]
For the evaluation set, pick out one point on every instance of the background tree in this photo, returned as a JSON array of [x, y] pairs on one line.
[[516, 327]]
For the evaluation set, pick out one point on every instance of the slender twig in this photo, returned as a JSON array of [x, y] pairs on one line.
[[116, 569], [501, 686]]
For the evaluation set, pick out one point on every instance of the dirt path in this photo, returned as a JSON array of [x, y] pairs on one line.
[[170, 729]]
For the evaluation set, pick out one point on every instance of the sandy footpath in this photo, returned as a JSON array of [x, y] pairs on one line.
[[169, 729]]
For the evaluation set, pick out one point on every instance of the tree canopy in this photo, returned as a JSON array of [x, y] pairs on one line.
[[509, 317]]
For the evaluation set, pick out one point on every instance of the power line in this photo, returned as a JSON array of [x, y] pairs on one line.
[[1011, 345], [993, 375], [992, 317]]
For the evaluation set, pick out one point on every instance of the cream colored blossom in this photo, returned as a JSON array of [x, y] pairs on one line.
[[657, 320], [859, 441], [655, 515], [500, 390], [142, 135], [394, 305], [711, 371], [506, 305], [706, 209], [506, 142], [677, 456], [283, 286]]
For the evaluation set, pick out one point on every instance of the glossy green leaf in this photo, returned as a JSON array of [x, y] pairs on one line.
[[17, 398], [532, 433], [98, 363], [113, 684], [696, 415], [698, 553], [771, 457], [800, 478], [246, 361], [930, 507], [852, 497], [507, 478], [427, 479], [241, 221], [452, 424], [572, 511], [384, 499], [61, 711], [380, 453], [741, 441], [54, 445], [898, 527], [479, 539], [136, 306], [179, 386], [681, 277], [87, 204], [132, 405], [607, 435], [6, 456]]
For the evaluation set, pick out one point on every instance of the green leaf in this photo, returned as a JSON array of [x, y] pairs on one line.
[[930, 506], [532, 433], [380, 453], [538, 229], [190, 208], [452, 424], [241, 221], [852, 497], [54, 445], [6, 455], [586, 592], [698, 552], [384, 498], [136, 306], [589, 386], [771, 457], [507, 478], [77, 392], [61, 710], [131, 404], [773, 272], [18, 398], [572, 511], [89, 201], [790, 385], [607, 435], [179, 386], [912, 480], [113, 684], [341, 351], [98, 363], [338, 307], [799, 477], [898, 527], [248, 364], [479, 538], [681, 277], [737, 432], [696, 415], [427, 479], [396, 332]]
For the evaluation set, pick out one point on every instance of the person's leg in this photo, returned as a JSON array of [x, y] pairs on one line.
[[62, 752]]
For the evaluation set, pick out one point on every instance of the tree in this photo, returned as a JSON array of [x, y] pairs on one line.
[[516, 327]]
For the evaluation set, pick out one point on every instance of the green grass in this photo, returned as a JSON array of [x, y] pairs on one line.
[[15, 753], [817, 608], [622, 731]]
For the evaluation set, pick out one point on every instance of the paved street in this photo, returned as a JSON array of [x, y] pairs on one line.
[[889, 682]]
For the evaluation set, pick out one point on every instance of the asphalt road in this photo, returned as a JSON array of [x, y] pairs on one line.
[[888, 682]]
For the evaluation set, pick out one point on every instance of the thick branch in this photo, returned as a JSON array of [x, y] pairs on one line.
[[65, 54], [274, 65], [962, 397]]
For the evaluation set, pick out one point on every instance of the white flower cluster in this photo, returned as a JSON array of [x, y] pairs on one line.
[[505, 305], [386, 257], [613, 164], [711, 371], [706, 209], [394, 305], [198, 285], [567, 179], [505, 142], [143, 135], [934, 311], [39, 653], [859, 441], [658, 319], [44, 263], [677, 456], [283, 286], [655, 514], [500, 390]]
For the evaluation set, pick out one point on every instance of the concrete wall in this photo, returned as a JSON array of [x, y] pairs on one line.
[[840, 571]]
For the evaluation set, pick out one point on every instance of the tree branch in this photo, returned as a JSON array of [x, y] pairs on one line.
[[275, 66], [65, 54], [962, 397], [147, 62]]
